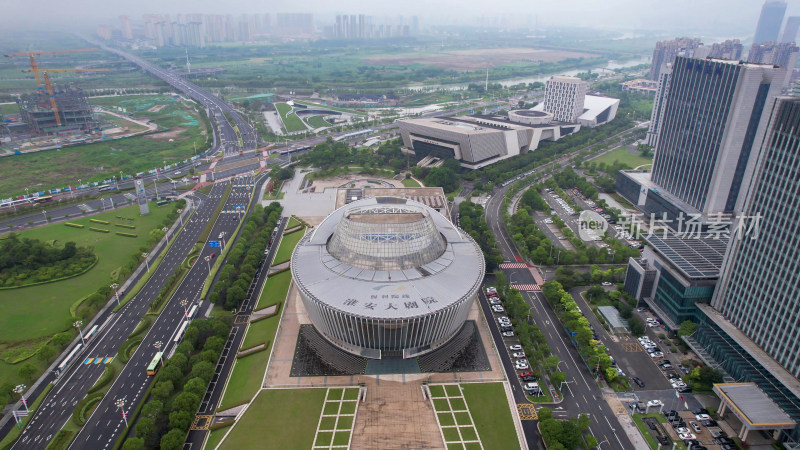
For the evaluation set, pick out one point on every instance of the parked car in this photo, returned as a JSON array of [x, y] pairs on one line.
[[495, 301], [696, 426], [654, 403], [702, 417], [508, 334], [532, 389], [697, 411], [498, 309], [515, 347], [518, 355], [606, 283], [521, 364], [685, 436], [526, 374]]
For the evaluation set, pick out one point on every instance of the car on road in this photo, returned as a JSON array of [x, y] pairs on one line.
[[654, 403], [508, 334], [498, 309], [519, 355], [638, 381], [515, 347], [521, 364]]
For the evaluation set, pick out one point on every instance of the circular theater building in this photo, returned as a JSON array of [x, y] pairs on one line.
[[387, 277]]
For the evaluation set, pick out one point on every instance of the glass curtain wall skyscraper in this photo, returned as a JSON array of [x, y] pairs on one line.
[[709, 119], [770, 21]]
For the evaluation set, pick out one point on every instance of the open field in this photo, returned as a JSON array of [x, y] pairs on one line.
[[50, 303], [474, 59], [288, 243], [492, 417], [332, 108], [291, 122], [101, 160], [285, 418], [623, 155]]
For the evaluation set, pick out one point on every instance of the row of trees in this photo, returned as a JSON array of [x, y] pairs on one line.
[[473, 222], [235, 278], [565, 434], [25, 261], [331, 155], [593, 353], [179, 387]]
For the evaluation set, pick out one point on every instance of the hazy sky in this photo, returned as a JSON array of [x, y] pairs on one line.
[[713, 16]]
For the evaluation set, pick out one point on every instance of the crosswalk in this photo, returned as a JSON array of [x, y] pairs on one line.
[[98, 360], [527, 287], [514, 266]]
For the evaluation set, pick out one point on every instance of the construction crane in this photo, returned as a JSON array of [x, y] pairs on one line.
[[48, 85]]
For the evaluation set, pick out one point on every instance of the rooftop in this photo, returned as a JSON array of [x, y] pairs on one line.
[[753, 407], [695, 255]]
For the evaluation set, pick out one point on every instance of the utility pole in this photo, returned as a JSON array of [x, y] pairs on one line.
[[78, 324], [121, 406], [114, 286]]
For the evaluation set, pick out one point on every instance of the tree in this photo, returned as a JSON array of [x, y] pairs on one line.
[[145, 427], [173, 440], [152, 409], [27, 371], [134, 443], [162, 390], [557, 378], [591, 441], [687, 328], [611, 374], [551, 362], [46, 353], [181, 420], [171, 373], [204, 370], [196, 386]]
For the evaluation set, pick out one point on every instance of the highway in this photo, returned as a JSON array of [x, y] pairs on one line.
[[105, 425]]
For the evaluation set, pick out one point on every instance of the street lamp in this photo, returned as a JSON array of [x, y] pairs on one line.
[[208, 261], [222, 236], [78, 324], [165, 229], [185, 304], [20, 389], [597, 368], [121, 406], [44, 213], [611, 253], [145, 255], [114, 286]]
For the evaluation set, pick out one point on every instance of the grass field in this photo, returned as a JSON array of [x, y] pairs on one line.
[[285, 418], [288, 242], [9, 108], [275, 289], [491, 414], [317, 122], [101, 160], [333, 108], [623, 155], [214, 437], [410, 182], [293, 222], [50, 303], [291, 122]]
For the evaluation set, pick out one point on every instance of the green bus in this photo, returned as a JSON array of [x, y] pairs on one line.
[[155, 364]]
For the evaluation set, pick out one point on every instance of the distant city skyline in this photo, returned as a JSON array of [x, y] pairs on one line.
[[739, 21]]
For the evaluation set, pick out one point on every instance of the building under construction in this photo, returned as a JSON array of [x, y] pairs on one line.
[[72, 113]]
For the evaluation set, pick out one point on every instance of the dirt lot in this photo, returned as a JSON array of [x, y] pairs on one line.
[[167, 135], [157, 108], [472, 59]]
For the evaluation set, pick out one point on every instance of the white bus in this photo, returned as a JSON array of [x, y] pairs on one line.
[[69, 357]]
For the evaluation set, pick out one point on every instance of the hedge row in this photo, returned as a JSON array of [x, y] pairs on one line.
[[99, 230], [125, 350], [249, 352], [130, 227], [130, 235], [74, 225], [277, 310], [123, 218], [143, 325], [83, 406], [61, 441], [108, 375], [104, 222]]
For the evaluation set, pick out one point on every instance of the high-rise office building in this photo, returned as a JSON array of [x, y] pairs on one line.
[[770, 21], [665, 51], [564, 97], [125, 26], [709, 120], [752, 326], [790, 30]]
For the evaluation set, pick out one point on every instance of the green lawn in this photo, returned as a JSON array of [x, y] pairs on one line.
[[317, 122], [623, 155], [214, 437], [9, 108], [491, 414], [284, 418], [288, 242], [293, 222], [101, 160], [245, 379], [275, 289], [50, 303], [332, 108], [291, 122], [410, 182]]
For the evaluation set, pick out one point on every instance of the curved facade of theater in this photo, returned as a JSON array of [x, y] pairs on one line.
[[387, 276]]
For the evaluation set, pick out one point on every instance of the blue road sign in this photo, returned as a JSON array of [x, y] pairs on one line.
[[213, 243]]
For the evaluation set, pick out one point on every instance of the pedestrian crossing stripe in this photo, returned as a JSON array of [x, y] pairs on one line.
[[88, 361], [514, 266], [99, 360], [527, 287], [108, 359]]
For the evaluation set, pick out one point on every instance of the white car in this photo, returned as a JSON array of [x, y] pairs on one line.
[[495, 301], [548, 221], [678, 385], [652, 324], [682, 430], [606, 283], [515, 347], [654, 403], [702, 417], [508, 334], [521, 365], [657, 355], [498, 309], [686, 436], [519, 355]]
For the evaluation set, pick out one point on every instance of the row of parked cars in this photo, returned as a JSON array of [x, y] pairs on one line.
[[652, 349], [687, 432], [515, 351]]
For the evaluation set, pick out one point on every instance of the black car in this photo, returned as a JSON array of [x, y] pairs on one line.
[[698, 411], [671, 413], [709, 423], [638, 381], [684, 390], [528, 378]]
